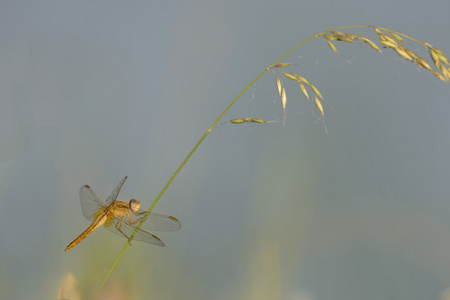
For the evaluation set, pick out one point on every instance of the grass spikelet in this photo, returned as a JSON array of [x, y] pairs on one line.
[[401, 51], [438, 75], [436, 50], [397, 37], [440, 55], [246, 120], [389, 44], [382, 36], [283, 98], [316, 91], [443, 58], [370, 43], [279, 86], [320, 109], [385, 37], [319, 105], [282, 65], [290, 76], [333, 47], [412, 54], [351, 36], [303, 88], [237, 121], [242, 121], [302, 79], [345, 39], [252, 120], [338, 33], [423, 63], [445, 72], [330, 37], [377, 30], [435, 58]]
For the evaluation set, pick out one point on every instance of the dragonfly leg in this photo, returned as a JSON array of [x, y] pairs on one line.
[[136, 214], [119, 227], [130, 221]]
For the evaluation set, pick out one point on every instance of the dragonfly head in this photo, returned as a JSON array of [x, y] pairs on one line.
[[134, 205]]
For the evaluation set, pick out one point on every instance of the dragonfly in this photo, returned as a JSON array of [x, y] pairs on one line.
[[121, 217]]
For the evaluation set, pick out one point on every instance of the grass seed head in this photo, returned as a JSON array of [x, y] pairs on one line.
[[423, 63], [337, 33], [370, 43], [445, 71], [438, 75], [282, 65], [441, 55], [330, 37], [434, 57], [246, 120], [388, 38], [303, 88], [401, 51], [257, 121], [389, 43], [237, 121], [385, 37], [397, 37], [345, 39], [377, 30], [439, 52], [443, 59], [302, 79], [410, 53], [351, 36], [319, 105], [332, 47], [290, 76], [283, 98], [279, 86], [316, 91]]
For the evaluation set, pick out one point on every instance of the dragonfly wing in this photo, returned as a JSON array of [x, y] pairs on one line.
[[90, 204], [156, 222], [128, 230], [115, 192]]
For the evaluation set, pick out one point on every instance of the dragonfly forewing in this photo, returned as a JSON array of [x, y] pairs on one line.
[[156, 222], [90, 204], [115, 192]]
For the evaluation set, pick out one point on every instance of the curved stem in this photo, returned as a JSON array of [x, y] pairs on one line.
[[206, 134]]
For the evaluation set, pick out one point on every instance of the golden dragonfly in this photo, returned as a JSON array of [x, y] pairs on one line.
[[121, 217]]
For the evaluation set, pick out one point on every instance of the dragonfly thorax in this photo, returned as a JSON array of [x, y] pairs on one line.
[[134, 205]]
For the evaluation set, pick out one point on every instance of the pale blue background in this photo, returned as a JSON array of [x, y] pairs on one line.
[[92, 91]]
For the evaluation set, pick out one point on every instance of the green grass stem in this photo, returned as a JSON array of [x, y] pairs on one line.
[[216, 122]]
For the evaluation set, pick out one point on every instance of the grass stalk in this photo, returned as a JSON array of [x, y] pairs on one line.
[[394, 41]]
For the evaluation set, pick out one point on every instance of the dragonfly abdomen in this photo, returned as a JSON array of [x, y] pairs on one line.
[[96, 224]]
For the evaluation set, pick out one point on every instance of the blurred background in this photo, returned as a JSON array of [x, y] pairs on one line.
[[92, 91]]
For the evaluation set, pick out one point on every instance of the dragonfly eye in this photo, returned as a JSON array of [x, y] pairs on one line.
[[134, 205]]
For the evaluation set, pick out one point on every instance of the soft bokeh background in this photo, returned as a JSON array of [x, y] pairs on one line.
[[92, 91]]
